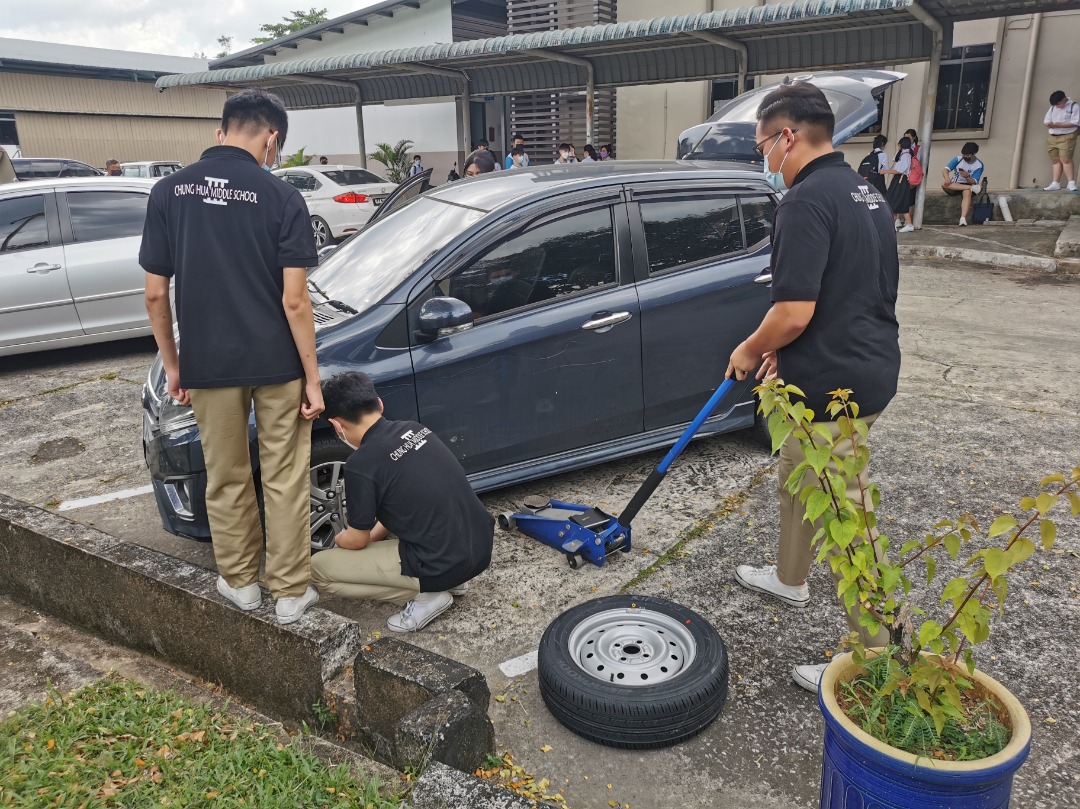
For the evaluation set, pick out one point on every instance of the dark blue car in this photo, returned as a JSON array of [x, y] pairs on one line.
[[537, 320]]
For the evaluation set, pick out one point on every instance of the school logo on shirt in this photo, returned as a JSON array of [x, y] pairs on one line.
[[871, 198], [413, 440], [216, 192]]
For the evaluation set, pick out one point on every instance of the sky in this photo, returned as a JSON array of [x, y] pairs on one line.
[[173, 27]]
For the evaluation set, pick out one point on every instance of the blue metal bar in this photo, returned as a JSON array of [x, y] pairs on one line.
[[695, 425]]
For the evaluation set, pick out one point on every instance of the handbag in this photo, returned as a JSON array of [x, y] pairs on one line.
[[983, 209]]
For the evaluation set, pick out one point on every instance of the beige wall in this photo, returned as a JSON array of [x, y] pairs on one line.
[[651, 117], [94, 139], [34, 93]]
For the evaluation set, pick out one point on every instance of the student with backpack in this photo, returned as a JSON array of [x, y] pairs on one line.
[[872, 166], [907, 175]]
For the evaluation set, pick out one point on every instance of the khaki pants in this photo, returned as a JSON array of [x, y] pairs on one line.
[[796, 534], [373, 573], [284, 463]]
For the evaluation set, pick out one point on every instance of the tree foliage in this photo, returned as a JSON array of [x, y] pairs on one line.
[[297, 159], [396, 159], [290, 24]]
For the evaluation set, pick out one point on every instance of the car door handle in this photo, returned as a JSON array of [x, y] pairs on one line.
[[43, 268], [764, 278], [605, 320]]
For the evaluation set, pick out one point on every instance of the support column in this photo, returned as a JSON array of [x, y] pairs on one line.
[[466, 126], [590, 81], [1025, 101], [926, 128], [361, 137]]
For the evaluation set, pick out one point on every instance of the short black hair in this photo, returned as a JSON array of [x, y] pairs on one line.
[[518, 151], [517, 136], [803, 105], [913, 135], [112, 162], [564, 146], [880, 142], [482, 159], [482, 144], [255, 110], [904, 143], [970, 148], [589, 150], [350, 395], [1057, 97]]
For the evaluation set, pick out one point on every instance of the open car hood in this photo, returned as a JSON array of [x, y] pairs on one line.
[[729, 133]]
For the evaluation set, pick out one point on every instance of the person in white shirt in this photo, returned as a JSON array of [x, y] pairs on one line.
[[900, 194], [417, 167], [962, 176], [1062, 122]]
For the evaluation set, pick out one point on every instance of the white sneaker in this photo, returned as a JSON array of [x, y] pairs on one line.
[[459, 591], [246, 598], [809, 677], [420, 612], [290, 609], [897, 224], [1053, 187], [963, 221], [907, 229], [765, 580], [1071, 186]]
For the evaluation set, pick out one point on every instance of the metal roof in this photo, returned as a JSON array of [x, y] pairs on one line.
[[50, 57], [779, 38]]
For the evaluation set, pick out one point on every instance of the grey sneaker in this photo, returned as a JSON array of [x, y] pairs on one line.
[[809, 677], [460, 590], [765, 580], [245, 598], [290, 609], [420, 612]]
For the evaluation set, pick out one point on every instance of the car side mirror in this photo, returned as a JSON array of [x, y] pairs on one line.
[[442, 316]]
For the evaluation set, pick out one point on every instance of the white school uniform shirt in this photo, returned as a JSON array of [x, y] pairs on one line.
[[882, 160], [1066, 119], [903, 164]]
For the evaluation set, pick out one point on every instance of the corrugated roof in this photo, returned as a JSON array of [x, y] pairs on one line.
[[28, 55], [780, 38]]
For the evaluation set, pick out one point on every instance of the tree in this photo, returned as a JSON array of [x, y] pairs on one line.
[[395, 158], [298, 158], [225, 43], [293, 22]]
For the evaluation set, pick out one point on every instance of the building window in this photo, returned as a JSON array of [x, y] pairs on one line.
[[723, 90], [8, 135], [963, 94]]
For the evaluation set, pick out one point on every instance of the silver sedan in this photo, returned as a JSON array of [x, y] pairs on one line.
[[69, 262]]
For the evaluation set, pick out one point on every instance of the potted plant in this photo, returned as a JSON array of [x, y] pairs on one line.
[[915, 724], [396, 159]]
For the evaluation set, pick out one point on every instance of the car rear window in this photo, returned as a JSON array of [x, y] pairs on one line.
[[757, 219], [352, 177], [22, 223], [97, 215], [687, 230]]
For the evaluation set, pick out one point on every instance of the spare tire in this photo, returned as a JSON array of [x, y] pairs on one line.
[[634, 672]]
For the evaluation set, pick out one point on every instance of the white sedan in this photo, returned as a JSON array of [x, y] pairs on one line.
[[341, 199]]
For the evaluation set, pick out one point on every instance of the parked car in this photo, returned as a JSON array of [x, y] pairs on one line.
[[341, 199], [37, 168], [69, 268], [854, 96], [537, 320], [153, 169]]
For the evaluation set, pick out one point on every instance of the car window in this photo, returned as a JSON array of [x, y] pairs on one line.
[[46, 168], [133, 171], [352, 177], [548, 262], [691, 229], [303, 182], [757, 219], [22, 224], [97, 215], [165, 169], [78, 170]]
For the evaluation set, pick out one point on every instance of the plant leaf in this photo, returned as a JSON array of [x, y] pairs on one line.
[[1074, 501], [1047, 533], [816, 504], [1005, 522], [1057, 477], [952, 545], [928, 631], [954, 589], [1044, 502], [996, 562]]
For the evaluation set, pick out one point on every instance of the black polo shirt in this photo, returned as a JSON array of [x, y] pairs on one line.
[[225, 228], [834, 243], [404, 477]]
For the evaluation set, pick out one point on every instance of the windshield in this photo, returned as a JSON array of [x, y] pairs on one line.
[[351, 177], [373, 263], [724, 141]]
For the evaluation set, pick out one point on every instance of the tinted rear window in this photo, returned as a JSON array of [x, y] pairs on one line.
[[352, 177], [757, 218], [22, 223], [97, 215], [689, 230]]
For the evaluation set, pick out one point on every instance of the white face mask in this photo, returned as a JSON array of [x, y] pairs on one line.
[[341, 436], [563, 154], [775, 178]]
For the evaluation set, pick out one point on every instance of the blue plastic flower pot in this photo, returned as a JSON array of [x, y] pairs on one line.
[[860, 772]]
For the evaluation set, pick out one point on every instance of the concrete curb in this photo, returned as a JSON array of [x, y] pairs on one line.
[[442, 787], [1006, 260], [1068, 243]]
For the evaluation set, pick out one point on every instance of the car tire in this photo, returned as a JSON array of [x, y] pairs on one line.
[[328, 454], [323, 235], [671, 708]]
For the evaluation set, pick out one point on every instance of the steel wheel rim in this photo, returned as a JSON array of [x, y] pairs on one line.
[[320, 232], [328, 509], [632, 647]]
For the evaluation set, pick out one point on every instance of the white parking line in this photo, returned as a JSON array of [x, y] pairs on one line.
[[68, 505], [519, 665]]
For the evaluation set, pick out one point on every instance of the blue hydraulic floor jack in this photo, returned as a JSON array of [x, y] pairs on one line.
[[589, 533]]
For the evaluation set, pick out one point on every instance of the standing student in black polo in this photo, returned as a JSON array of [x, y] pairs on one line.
[[238, 241], [833, 319], [402, 480]]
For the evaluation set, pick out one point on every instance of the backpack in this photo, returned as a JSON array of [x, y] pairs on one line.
[[868, 168], [915, 173]]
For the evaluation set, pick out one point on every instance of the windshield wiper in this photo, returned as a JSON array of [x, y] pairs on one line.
[[339, 305]]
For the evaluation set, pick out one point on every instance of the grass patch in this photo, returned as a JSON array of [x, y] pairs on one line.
[[116, 743], [700, 528]]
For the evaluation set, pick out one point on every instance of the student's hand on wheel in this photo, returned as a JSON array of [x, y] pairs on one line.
[[312, 404]]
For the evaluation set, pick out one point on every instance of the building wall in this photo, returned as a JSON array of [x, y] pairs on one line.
[[651, 117], [43, 93]]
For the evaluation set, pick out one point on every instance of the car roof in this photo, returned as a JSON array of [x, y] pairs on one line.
[[57, 183], [495, 189], [151, 163], [57, 159]]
